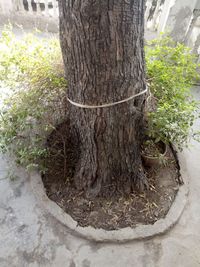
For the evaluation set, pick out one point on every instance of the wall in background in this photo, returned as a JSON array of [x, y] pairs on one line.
[[181, 18]]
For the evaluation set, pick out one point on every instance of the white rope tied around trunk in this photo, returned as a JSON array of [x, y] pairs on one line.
[[108, 104]]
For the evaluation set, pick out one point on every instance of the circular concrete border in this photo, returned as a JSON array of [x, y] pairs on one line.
[[121, 235]]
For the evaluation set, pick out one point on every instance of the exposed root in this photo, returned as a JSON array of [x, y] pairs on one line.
[[94, 191], [141, 182], [87, 181]]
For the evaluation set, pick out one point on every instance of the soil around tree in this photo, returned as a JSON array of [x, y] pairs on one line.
[[113, 210]]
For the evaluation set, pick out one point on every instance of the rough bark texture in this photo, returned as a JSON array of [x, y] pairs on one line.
[[102, 46]]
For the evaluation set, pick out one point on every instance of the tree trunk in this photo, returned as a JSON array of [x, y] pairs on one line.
[[102, 47]]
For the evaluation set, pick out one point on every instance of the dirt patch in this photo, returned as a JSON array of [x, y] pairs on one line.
[[108, 213]]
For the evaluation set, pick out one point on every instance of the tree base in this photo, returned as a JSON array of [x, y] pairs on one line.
[[110, 185], [119, 204]]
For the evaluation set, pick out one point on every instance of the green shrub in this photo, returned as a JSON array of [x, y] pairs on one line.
[[171, 70], [33, 67]]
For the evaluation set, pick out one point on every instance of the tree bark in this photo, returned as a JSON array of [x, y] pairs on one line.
[[102, 47]]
